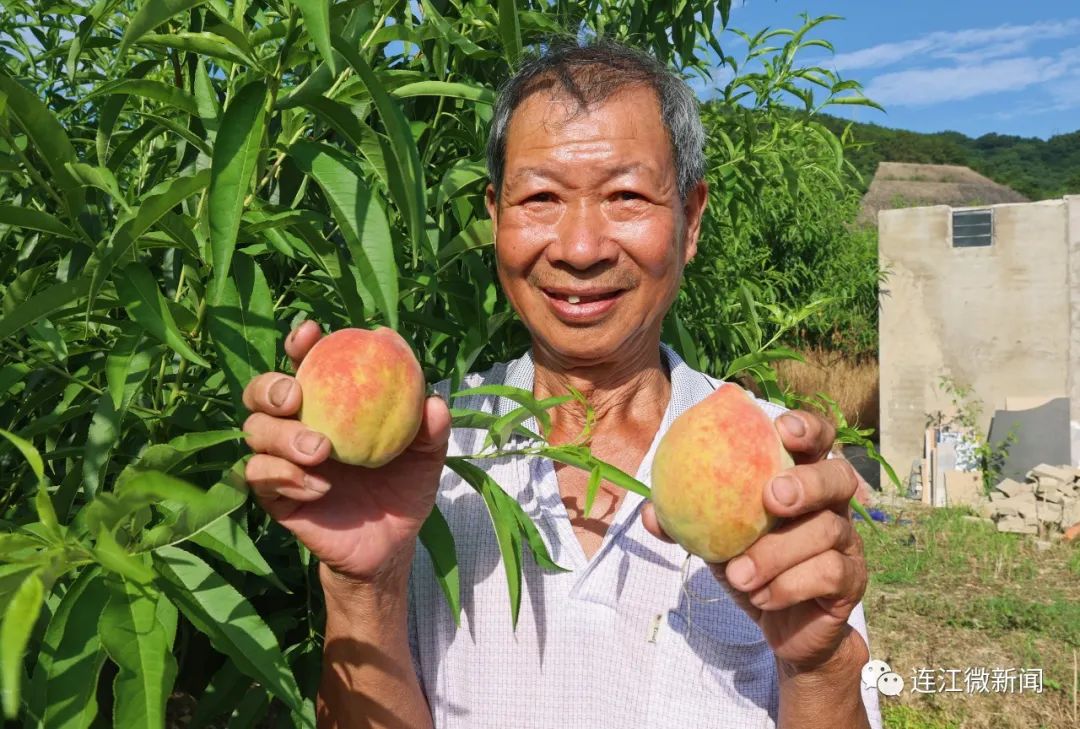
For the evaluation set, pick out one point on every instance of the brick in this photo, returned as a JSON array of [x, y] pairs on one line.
[[1023, 504], [1061, 473], [1070, 514], [1011, 488], [1072, 533], [1049, 512], [1016, 525]]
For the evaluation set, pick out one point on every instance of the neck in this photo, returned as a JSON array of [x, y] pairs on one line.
[[625, 394]]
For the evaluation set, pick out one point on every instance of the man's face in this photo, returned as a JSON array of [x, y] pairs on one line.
[[590, 234]]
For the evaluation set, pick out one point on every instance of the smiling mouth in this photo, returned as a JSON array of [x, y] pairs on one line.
[[583, 298]]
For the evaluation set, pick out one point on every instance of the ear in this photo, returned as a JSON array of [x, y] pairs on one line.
[[492, 205], [694, 210]]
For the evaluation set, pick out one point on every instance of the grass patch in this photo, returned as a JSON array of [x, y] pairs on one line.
[[948, 591], [898, 716]]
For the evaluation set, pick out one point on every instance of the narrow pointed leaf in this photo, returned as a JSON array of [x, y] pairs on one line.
[[139, 644], [226, 539], [233, 626], [21, 217], [361, 220], [316, 15], [402, 144], [236, 152], [29, 452], [139, 294], [510, 30], [18, 622], [242, 326], [150, 15], [438, 540]]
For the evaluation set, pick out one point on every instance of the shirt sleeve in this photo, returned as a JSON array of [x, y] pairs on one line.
[[857, 620], [414, 638]]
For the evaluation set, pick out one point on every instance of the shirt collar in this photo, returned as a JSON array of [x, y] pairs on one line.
[[688, 386]]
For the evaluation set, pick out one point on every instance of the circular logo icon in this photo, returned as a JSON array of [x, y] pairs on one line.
[[890, 684], [872, 671]]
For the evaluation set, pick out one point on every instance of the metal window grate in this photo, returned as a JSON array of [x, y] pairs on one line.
[[971, 228]]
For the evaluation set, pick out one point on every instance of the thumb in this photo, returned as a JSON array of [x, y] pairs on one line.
[[434, 433]]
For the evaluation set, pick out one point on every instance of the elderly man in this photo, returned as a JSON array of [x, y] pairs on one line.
[[596, 196]]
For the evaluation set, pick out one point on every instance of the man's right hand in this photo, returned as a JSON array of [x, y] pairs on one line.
[[354, 519]]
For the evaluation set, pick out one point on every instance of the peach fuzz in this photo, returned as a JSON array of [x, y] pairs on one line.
[[710, 471], [364, 390]]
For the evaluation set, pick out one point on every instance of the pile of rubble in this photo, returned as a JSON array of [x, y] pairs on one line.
[[1048, 503]]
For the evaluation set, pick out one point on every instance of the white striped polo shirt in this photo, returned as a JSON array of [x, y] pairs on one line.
[[638, 636]]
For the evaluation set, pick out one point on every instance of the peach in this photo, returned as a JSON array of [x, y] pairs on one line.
[[365, 391], [709, 473]]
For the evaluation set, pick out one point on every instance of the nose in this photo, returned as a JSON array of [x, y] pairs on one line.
[[582, 238]]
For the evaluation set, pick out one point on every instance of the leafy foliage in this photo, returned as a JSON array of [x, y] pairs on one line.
[[1039, 169], [181, 183]]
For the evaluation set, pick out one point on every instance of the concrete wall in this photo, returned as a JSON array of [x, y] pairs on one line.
[[1073, 207], [996, 318]]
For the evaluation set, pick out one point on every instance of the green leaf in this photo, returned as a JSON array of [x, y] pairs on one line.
[[152, 14], [148, 89], [509, 30], [143, 301], [21, 217], [591, 489], [233, 626], [136, 640], [438, 540], [449, 89], [504, 522], [226, 539], [29, 452], [48, 137], [360, 218], [242, 326], [126, 365], [521, 396], [402, 145], [317, 22], [19, 618], [44, 304], [63, 690], [100, 177], [236, 153], [203, 44], [102, 436], [191, 516], [46, 512], [114, 558]]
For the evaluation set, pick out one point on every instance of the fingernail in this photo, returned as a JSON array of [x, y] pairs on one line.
[[785, 490], [740, 572], [794, 425], [760, 598], [280, 390], [316, 484], [308, 442]]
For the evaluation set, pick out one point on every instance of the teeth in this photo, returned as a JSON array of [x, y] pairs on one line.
[[574, 299]]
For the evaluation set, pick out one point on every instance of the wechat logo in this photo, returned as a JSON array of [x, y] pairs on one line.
[[877, 674]]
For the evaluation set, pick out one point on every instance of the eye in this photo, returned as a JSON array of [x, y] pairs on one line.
[[628, 196], [540, 197]]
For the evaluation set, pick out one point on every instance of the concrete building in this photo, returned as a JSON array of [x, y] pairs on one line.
[[989, 297]]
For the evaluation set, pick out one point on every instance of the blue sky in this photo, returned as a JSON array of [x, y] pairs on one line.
[[974, 66]]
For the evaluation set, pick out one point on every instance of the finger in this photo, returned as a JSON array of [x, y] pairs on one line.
[[787, 546], [274, 393], [836, 580], [808, 437], [737, 596], [652, 524], [281, 486], [301, 340], [434, 433], [828, 484], [286, 438]]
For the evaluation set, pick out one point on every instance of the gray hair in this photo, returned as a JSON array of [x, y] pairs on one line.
[[591, 74]]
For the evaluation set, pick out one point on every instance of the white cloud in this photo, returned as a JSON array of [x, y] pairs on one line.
[[921, 86], [969, 45]]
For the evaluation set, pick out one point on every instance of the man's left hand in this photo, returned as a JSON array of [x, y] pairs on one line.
[[801, 581]]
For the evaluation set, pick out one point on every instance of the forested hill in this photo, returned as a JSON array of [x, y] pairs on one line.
[[1033, 167]]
